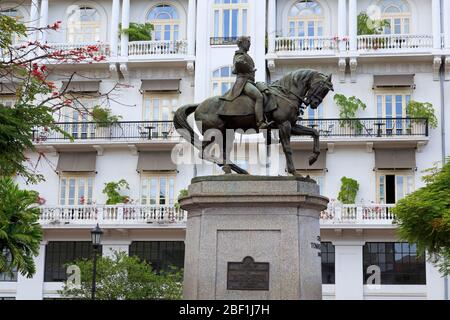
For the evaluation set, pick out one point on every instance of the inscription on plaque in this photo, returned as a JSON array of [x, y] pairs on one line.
[[248, 275]]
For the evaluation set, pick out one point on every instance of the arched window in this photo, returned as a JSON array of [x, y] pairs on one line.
[[222, 80], [83, 25], [13, 13], [230, 18], [305, 19], [398, 14], [166, 22]]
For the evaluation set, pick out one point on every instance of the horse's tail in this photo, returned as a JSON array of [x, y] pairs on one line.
[[182, 125]]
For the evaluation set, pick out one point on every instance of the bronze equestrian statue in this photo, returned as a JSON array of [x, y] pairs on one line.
[[283, 101]]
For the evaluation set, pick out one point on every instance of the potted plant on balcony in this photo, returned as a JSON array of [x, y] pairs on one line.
[[137, 31], [348, 106], [104, 121], [420, 110], [368, 26], [349, 190]]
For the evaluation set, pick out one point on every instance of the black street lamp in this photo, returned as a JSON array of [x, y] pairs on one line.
[[96, 236]]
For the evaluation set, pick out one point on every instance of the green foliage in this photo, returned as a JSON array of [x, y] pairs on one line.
[[348, 108], [112, 189], [416, 109], [10, 28], [423, 217], [20, 231], [348, 191], [103, 116], [121, 277], [138, 31], [369, 26], [183, 193]]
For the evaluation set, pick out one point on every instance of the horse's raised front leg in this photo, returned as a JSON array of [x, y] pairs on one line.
[[300, 130], [285, 137]]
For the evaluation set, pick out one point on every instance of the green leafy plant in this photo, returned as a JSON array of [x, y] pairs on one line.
[[20, 231], [348, 108], [423, 217], [112, 190], [183, 193], [138, 31], [416, 109], [103, 116], [367, 26], [121, 277], [348, 191]]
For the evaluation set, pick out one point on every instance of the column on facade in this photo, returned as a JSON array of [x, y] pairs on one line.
[[114, 34], [34, 18], [342, 23], [271, 25], [446, 16], [125, 25], [191, 22], [349, 270], [352, 24], [43, 21], [436, 21], [32, 288], [435, 282]]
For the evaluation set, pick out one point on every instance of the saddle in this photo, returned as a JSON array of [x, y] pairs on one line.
[[245, 106]]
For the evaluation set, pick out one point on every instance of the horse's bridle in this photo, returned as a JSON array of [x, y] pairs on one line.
[[313, 92]]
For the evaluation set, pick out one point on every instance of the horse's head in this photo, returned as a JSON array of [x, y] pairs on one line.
[[319, 86]]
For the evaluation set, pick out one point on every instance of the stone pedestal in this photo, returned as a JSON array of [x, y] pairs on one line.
[[252, 237]]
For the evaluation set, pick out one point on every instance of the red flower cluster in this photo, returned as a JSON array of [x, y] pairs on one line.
[[55, 26]]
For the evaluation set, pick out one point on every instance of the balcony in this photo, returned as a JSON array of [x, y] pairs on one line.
[[156, 49], [336, 215], [368, 129], [103, 48], [354, 215], [93, 132], [394, 43], [306, 45], [78, 215]]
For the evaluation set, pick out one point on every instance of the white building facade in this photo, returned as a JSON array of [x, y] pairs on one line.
[[189, 59]]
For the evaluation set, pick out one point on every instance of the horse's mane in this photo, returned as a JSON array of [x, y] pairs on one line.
[[292, 78]]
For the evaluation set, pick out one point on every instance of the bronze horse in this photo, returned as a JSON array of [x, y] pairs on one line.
[[292, 93]]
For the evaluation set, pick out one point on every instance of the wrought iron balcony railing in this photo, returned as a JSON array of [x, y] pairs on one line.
[[369, 127], [165, 130], [123, 130]]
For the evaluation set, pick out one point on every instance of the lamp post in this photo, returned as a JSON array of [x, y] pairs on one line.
[[96, 236]]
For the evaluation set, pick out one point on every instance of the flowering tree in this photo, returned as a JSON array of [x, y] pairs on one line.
[[25, 72]]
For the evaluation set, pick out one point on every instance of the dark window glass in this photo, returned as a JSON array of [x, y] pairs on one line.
[[327, 254], [60, 253], [398, 261], [160, 254], [8, 276]]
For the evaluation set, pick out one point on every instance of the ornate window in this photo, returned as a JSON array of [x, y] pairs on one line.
[[160, 254], [81, 126], [399, 262], [166, 22], [83, 25], [8, 276], [75, 189], [159, 107], [230, 18], [59, 253], [222, 80], [305, 19], [394, 185], [398, 14], [158, 189], [392, 106], [327, 254]]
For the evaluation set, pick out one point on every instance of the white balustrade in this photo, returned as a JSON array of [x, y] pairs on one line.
[[306, 44], [394, 42], [113, 214], [103, 48], [337, 213], [164, 47]]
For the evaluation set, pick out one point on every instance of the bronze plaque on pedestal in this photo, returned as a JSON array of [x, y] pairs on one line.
[[248, 275]]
